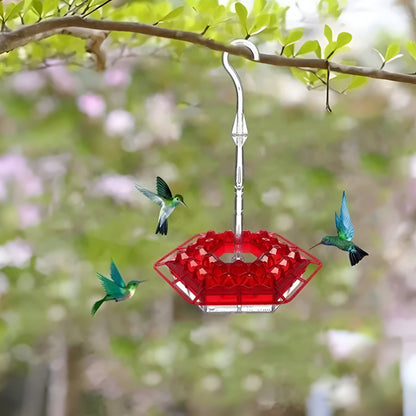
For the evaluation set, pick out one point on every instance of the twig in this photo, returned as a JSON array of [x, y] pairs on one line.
[[328, 73]]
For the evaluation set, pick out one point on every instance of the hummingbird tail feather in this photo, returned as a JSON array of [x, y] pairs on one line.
[[356, 254], [97, 305], [162, 228]]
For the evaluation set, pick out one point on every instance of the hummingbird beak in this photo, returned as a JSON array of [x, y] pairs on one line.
[[141, 281], [183, 203], [316, 245]]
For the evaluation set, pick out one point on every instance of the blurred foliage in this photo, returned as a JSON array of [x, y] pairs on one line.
[[68, 205]]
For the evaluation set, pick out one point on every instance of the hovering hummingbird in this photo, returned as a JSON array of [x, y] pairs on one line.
[[345, 233], [166, 201], [115, 288]]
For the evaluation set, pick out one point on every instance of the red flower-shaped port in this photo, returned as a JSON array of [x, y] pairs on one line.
[[197, 272]]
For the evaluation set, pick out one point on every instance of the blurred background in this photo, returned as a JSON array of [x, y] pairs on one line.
[[74, 142]]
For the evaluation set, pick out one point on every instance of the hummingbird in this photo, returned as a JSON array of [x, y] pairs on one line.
[[115, 288], [165, 200], [345, 233]]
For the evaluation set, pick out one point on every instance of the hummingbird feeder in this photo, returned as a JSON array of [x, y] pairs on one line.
[[198, 271]]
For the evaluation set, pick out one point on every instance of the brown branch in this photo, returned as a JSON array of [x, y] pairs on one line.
[[26, 34], [94, 38]]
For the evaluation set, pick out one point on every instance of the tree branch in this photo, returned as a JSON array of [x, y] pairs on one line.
[[26, 34]]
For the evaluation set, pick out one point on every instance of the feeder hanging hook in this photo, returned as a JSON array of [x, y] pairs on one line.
[[239, 134], [240, 128]]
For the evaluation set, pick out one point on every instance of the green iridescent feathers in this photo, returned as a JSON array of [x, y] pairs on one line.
[[163, 188], [115, 289], [345, 231], [165, 200], [343, 221]]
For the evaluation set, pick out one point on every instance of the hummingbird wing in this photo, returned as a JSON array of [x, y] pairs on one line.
[[343, 221], [150, 195], [163, 188], [111, 288], [115, 275]]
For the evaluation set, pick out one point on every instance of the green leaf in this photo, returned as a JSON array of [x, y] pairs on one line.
[[267, 30], [256, 32], [1, 10], [300, 74], [310, 46], [206, 6], [219, 13], [49, 6], [261, 21], [328, 33], [241, 11], [344, 38], [357, 82], [392, 51], [294, 36], [28, 5], [320, 176], [329, 8], [13, 10], [318, 50], [330, 49], [289, 50], [259, 6], [123, 347], [379, 54], [411, 48], [37, 6], [340, 82], [395, 57], [172, 14], [375, 163]]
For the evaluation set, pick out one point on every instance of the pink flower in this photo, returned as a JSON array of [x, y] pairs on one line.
[[15, 167], [15, 253], [117, 77], [27, 82], [161, 117], [119, 123], [11, 165], [60, 76], [118, 187], [346, 344], [91, 104], [29, 215]]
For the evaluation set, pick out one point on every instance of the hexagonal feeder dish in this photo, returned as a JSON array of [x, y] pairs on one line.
[[279, 272]]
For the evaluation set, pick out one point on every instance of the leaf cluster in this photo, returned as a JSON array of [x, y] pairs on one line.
[[265, 21], [32, 11]]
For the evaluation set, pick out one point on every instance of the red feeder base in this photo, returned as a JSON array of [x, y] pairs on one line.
[[279, 272]]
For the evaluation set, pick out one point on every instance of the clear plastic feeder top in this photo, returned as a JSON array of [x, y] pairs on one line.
[[279, 272]]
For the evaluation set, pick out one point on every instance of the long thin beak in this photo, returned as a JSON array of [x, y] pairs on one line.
[[315, 245], [141, 281], [183, 203]]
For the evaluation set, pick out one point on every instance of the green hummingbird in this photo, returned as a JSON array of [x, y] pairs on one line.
[[115, 288], [165, 200], [345, 234]]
